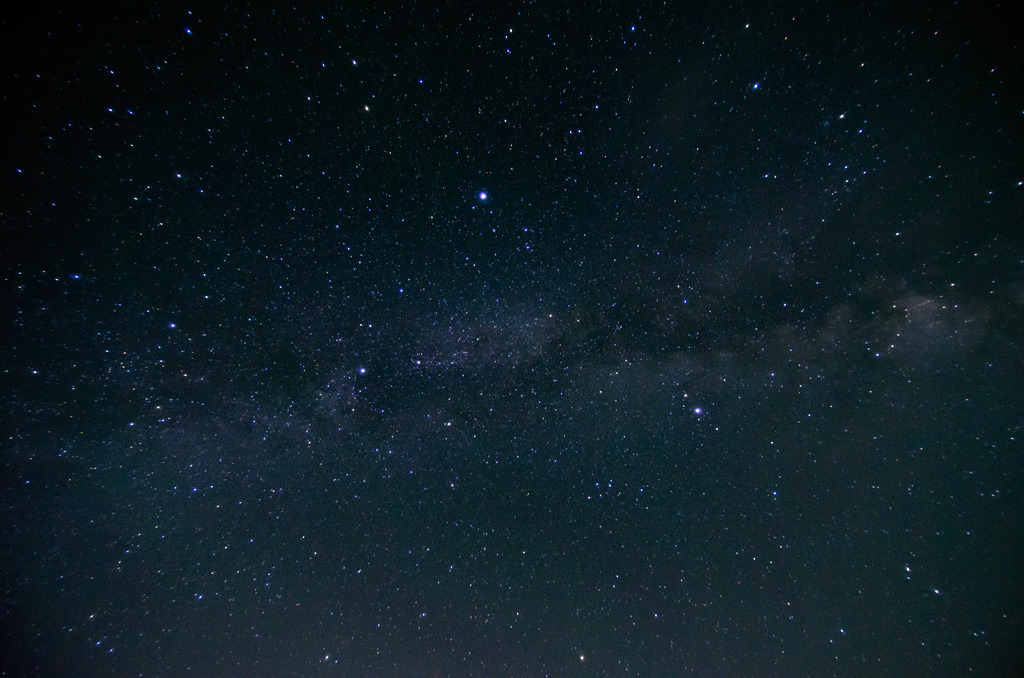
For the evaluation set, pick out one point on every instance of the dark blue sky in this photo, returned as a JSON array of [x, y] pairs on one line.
[[722, 377]]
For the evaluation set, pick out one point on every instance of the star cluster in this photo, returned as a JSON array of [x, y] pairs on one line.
[[534, 339]]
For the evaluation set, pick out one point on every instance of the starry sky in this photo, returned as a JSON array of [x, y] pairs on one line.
[[520, 338]]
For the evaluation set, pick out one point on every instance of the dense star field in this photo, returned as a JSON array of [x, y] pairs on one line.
[[512, 339]]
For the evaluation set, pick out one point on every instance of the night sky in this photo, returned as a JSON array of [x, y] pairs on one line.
[[512, 339]]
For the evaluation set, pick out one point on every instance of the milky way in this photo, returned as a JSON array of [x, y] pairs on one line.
[[546, 339]]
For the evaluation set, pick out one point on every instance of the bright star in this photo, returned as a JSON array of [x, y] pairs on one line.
[[483, 195]]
